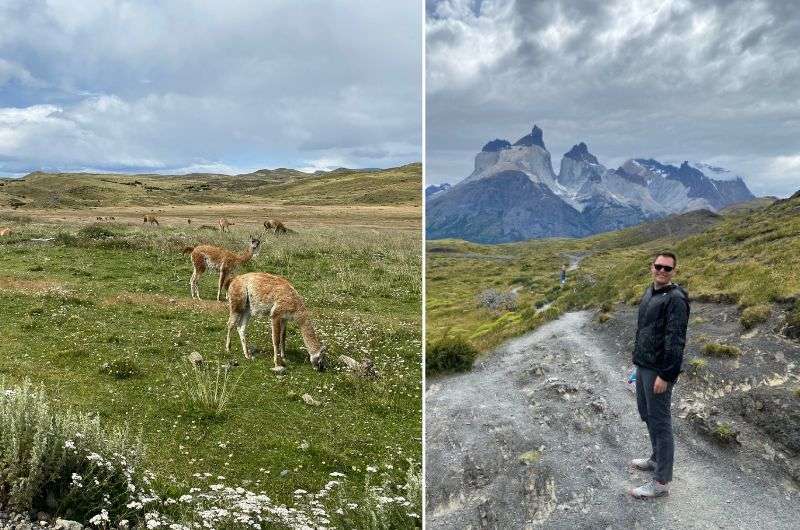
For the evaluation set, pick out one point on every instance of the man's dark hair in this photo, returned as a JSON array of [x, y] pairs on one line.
[[667, 254]]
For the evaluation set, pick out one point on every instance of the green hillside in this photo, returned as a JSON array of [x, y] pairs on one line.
[[745, 257], [401, 185]]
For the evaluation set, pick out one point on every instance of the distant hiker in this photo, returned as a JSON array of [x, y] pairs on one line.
[[563, 274], [658, 354]]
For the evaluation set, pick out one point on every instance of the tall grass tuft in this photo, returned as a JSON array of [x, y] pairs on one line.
[[210, 390]]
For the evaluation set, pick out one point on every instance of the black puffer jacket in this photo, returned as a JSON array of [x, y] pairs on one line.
[[661, 331]]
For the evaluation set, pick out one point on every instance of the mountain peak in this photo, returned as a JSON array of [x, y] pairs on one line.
[[534, 138], [496, 145], [580, 153]]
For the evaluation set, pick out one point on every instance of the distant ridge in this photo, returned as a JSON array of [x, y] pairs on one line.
[[583, 198]]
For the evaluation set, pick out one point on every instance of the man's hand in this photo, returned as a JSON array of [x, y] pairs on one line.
[[659, 386]]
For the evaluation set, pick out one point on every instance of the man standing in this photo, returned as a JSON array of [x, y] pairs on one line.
[[658, 354]]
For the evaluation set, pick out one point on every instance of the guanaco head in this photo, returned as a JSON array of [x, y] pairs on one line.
[[319, 359], [255, 245]]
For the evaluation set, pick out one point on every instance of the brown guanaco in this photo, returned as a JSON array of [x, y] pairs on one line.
[[215, 258], [255, 293]]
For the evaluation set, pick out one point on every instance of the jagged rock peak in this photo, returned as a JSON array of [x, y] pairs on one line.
[[534, 138], [581, 153], [496, 145]]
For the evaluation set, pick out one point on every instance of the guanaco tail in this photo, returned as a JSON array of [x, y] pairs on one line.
[[256, 293], [219, 259]]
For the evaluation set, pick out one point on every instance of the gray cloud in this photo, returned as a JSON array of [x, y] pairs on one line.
[[236, 85], [697, 80]]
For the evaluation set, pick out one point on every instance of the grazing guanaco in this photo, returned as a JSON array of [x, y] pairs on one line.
[[150, 218], [5, 231], [224, 224], [255, 293], [276, 226], [215, 258]]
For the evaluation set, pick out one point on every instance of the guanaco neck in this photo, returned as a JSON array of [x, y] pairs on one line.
[[310, 338], [245, 256]]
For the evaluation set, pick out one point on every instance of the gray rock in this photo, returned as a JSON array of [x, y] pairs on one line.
[[66, 524]]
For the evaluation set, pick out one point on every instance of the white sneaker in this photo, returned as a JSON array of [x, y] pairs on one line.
[[651, 490], [643, 464]]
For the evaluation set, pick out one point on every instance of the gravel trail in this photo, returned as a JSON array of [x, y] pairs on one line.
[[540, 435]]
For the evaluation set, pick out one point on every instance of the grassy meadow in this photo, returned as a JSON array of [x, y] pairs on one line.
[[100, 316], [745, 256]]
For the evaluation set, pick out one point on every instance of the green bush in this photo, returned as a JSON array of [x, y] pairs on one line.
[[449, 354], [721, 350], [95, 232], [754, 315]]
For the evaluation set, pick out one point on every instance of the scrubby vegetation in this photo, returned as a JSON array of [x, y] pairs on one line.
[[449, 354], [721, 350], [744, 257], [752, 316], [697, 366]]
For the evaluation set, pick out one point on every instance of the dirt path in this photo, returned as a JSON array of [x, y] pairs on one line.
[[541, 433]]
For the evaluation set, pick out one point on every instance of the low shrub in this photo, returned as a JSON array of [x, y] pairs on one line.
[[449, 354], [607, 306], [120, 369], [62, 462], [721, 350], [697, 365], [755, 315], [724, 433], [497, 301], [603, 318], [95, 232], [792, 329]]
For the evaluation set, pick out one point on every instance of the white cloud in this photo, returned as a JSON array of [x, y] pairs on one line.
[[176, 84], [696, 79]]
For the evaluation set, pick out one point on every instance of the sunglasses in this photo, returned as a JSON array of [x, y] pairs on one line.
[[665, 268]]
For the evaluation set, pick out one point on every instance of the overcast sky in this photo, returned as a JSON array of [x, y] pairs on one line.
[[233, 86], [708, 81]]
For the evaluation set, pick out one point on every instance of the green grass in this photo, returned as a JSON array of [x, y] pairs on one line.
[[745, 257], [105, 323]]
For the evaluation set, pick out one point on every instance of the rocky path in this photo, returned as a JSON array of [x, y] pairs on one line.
[[541, 433]]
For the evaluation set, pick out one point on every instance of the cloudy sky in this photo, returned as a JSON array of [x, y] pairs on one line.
[[176, 86], [709, 81]]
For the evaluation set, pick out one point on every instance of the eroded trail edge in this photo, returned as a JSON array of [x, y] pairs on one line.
[[541, 434]]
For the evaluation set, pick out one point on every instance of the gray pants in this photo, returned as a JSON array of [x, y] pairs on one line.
[[654, 411]]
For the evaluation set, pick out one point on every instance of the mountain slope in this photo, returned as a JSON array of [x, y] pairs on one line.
[[605, 199]]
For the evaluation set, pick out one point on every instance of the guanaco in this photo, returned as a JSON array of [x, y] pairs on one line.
[[225, 261], [224, 224], [276, 226], [150, 218], [5, 231], [255, 293]]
